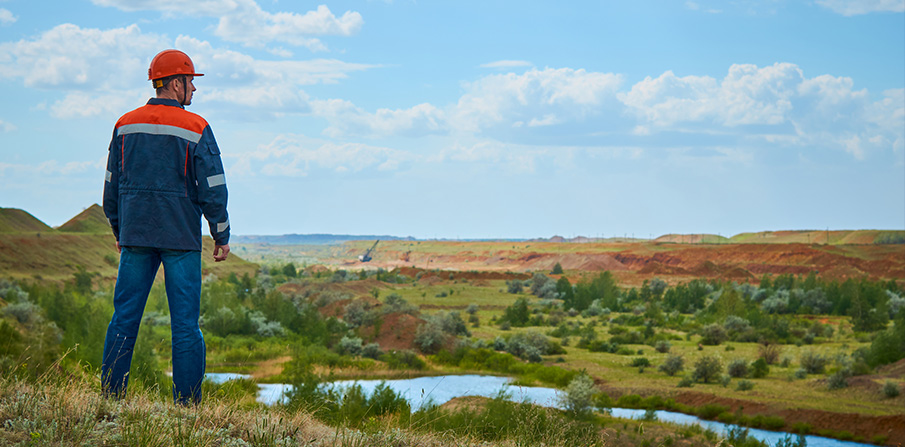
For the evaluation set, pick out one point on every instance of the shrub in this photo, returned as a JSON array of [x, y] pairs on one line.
[[738, 368], [725, 379], [429, 337], [404, 359], [640, 361], [744, 385], [514, 286], [707, 368], [350, 345], [662, 346], [769, 352], [371, 351], [713, 334], [813, 362], [890, 389], [800, 373], [837, 380], [686, 382], [759, 369], [579, 395], [672, 365]]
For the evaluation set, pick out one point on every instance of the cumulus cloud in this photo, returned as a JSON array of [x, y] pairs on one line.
[[88, 104], [777, 103], [859, 7], [505, 64], [70, 57], [102, 70], [535, 96], [296, 156], [6, 127], [7, 17], [347, 120], [244, 21]]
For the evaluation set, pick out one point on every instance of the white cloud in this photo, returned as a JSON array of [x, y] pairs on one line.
[[345, 119], [7, 17], [859, 7], [506, 64], [509, 98], [89, 104], [101, 70], [776, 103], [70, 57], [296, 156], [244, 21]]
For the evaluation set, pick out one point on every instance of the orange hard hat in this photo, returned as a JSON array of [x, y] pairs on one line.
[[171, 63]]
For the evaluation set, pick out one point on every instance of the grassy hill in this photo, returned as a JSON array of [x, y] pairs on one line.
[[14, 220], [92, 220], [31, 249]]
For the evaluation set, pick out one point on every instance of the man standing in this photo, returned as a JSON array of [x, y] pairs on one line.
[[163, 173]]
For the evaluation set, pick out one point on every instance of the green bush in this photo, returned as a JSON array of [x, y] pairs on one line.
[[738, 368], [640, 361], [890, 389], [813, 362], [672, 365], [744, 385], [759, 369], [707, 368]]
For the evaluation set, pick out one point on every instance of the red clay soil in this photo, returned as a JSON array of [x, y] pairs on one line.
[[396, 332], [738, 262]]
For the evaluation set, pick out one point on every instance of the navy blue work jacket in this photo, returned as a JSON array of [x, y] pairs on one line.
[[163, 173]]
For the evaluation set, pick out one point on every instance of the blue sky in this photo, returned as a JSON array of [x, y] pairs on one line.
[[481, 119]]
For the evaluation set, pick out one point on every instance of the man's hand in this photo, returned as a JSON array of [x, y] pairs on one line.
[[221, 252], [118, 248]]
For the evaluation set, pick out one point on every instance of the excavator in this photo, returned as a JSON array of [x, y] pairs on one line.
[[367, 255]]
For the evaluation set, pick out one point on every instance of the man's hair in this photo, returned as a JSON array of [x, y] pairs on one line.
[[164, 82]]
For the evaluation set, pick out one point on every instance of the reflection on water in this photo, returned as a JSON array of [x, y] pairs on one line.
[[441, 389]]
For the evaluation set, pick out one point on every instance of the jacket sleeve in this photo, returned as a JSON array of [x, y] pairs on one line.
[[111, 185], [212, 194]]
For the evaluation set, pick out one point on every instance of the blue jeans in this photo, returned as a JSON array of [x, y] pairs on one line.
[[182, 271]]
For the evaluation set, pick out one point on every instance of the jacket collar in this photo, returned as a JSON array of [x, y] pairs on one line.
[[164, 102]]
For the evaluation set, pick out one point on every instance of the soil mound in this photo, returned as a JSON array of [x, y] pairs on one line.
[[395, 331], [14, 220], [92, 220]]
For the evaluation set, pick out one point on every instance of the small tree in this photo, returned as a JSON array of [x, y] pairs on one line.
[[672, 365], [557, 269], [713, 334], [579, 395], [707, 368], [290, 271], [738, 368]]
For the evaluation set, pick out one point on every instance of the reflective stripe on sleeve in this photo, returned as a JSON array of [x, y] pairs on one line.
[[222, 226], [108, 176], [216, 180], [159, 129]]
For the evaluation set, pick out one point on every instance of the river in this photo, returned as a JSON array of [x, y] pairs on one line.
[[441, 389]]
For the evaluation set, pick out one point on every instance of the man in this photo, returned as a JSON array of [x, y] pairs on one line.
[[163, 173]]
